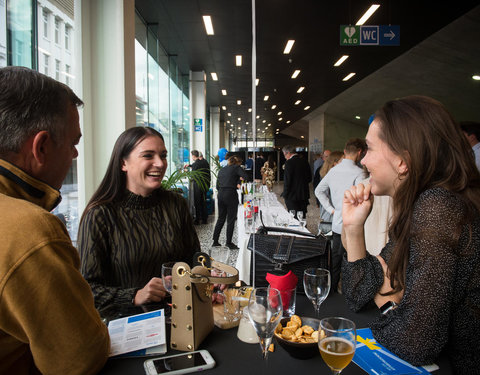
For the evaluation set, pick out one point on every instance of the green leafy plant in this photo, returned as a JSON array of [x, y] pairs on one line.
[[183, 177]]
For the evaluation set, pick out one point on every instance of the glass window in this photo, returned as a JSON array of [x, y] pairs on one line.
[[45, 23], [57, 70], [67, 38], [20, 46], [45, 64], [67, 74], [57, 30]]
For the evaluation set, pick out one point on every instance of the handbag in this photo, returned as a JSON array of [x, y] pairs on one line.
[[280, 253], [192, 310]]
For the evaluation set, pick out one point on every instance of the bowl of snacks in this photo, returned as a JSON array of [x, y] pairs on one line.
[[298, 336]]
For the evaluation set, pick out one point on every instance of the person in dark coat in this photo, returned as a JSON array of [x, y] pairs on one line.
[[259, 162], [200, 192], [296, 178], [227, 181]]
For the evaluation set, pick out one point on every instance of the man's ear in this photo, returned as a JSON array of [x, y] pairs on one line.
[[40, 145]]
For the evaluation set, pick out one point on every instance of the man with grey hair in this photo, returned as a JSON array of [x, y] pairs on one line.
[[296, 178], [48, 321]]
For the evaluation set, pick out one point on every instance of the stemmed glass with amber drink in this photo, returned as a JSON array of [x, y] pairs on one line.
[[337, 342]]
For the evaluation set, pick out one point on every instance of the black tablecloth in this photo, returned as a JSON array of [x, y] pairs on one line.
[[234, 357]]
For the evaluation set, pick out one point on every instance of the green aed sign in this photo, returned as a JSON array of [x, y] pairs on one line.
[[197, 124], [349, 35]]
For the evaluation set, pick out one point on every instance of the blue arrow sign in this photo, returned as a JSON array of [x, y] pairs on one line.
[[389, 35]]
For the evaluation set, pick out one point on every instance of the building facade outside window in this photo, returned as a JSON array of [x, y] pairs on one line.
[[67, 37]]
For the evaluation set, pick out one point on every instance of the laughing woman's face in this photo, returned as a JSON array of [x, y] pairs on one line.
[[146, 166]]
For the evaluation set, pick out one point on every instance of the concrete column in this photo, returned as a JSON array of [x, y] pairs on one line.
[[214, 130], [198, 110], [105, 45]]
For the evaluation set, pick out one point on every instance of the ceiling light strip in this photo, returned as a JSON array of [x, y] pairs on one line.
[[348, 76], [367, 14], [207, 21], [288, 47], [341, 60]]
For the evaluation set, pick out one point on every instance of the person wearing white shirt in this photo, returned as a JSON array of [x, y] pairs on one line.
[[471, 130], [330, 192]]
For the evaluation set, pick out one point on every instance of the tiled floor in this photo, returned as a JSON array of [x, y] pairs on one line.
[[224, 254]]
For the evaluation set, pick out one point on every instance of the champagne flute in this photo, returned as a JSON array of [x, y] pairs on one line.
[[265, 311], [338, 342], [316, 282], [167, 281]]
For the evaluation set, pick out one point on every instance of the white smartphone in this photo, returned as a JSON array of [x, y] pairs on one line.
[[180, 363]]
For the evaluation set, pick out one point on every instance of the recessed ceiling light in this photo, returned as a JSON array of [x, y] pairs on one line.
[[348, 76], [239, 127], [302, 136], [257, 81], [476, 77], [214, 76], [224, 108], [249, 110], [246, 122], [288, 122], [239, 102], [298, 102], [224, 92], [295, 74], [228, 121], [288, 47], [274, 106], [269, 124], [300, 89], [307, 108], [279, 113], [229, 114], [367, 14], [238, 60], [239, 119], [357, 117], [207, 20], [265, 98], [264, 121], [280, 118], [258, 116], [231, 125], [263, 131]]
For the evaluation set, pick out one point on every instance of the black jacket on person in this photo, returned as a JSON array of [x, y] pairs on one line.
[[229, 176], [259, 162], [296, 178]]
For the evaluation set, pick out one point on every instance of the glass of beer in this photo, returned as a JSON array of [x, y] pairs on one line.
[[337, 341]]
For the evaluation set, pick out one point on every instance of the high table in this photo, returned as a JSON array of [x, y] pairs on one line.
[[234, 357]]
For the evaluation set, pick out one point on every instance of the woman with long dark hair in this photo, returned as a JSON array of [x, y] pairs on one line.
[[131, 226], [426, 281]]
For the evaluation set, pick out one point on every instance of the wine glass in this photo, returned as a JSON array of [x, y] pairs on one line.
[[316, 282], [337, 343], [167, 275], [167, 281], [265, 311]]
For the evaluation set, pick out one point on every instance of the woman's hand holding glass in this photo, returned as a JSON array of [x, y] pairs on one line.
[[154, 291]]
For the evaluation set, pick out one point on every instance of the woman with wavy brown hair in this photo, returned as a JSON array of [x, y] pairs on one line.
[[426, 281]]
